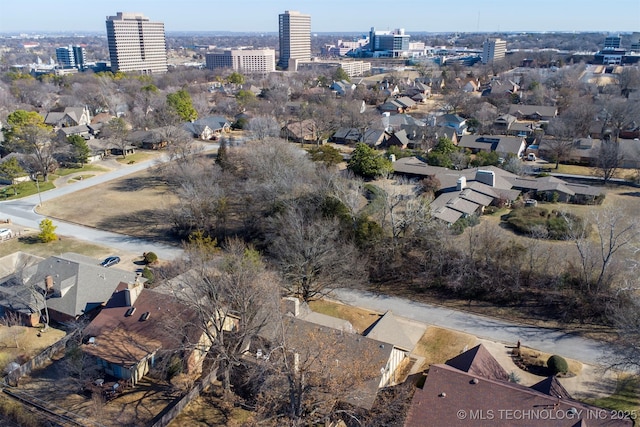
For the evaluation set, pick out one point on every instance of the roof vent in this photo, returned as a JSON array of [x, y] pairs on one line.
[[443, 394], [145, 316], [474, 381], [130, 312]]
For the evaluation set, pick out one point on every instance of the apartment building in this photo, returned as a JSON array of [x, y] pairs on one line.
[[493, 50], [243, 60], [136, 43], [295, 39]]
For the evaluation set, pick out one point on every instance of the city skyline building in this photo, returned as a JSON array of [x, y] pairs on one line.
[[394, 44], [136, 43], [243, 60], [71, 56], [294, 32], [493, 50]]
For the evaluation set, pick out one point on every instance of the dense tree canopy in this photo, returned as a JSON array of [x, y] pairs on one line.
[[368, 163], [182, 104]]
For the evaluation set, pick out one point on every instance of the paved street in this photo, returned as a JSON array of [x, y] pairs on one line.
[[547, 340]]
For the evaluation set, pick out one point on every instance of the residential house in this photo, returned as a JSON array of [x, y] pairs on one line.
[[504, 122], [324, 343], [406, 102], [147, 139], [208, 128], [533, 112], [501, 144], [137, 327], [304, 131], [549, 188], [398, 139], [454, 121], [499, 88], [68, 286], [371, 137], [21, 159], [71, 116], [81, 130], [343, 87], [473, 389], [391, 107]]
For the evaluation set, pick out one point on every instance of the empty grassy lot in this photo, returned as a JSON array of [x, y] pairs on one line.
[[135, 205]]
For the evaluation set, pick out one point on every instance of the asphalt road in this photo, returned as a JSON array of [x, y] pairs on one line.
[[554, 341], [22, 212]]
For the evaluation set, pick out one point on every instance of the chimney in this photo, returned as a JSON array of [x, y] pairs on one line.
[[48, 284], [292, 305], [461, 184], [486, 177], [131, 293]]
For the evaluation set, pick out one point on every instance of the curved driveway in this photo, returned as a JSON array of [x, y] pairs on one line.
[[554, 341], [22, 211]]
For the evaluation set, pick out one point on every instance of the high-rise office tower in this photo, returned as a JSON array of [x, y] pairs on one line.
[[71, 56], [493, 50], [65, 57], [295, 39], [136, 44]]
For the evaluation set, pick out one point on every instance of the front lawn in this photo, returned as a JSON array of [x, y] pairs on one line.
[[438, 345], [86, 168], [626, 399], [25, 189], [360, 319]]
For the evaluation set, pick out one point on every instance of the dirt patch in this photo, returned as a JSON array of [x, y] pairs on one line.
[[135, 205], [21, 343], [211, 410], [133, 407]]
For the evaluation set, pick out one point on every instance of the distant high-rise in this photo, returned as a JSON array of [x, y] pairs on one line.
[[389, 43], [295, 38], [71, 56], [493, 50], [64, 56], [244, 60], [612, 42], [136, 44]]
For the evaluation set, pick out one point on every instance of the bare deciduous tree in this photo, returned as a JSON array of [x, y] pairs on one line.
[[233, 294], [312, 254]]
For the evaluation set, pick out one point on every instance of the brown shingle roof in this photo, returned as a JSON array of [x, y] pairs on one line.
[[478, 361], [453, 398], [125, 340]]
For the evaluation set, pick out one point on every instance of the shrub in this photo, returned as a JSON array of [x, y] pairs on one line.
[[557, 365], [149, 257], [148, 274], [47, 231]]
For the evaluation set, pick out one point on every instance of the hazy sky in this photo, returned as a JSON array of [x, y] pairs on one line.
[[330, 15]]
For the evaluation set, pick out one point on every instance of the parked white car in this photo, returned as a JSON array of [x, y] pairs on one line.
[[5, 233]]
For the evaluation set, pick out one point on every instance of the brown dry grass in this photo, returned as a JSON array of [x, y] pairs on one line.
[[28, 342], [539, 358], [360, 318], [210, 410], [438, 345], [135, 205], [134, 407]]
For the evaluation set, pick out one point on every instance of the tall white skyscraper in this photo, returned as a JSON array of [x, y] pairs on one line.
[[136, 44], [493, 50], [295, 38]]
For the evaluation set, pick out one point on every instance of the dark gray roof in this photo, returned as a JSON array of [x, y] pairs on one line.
[[529, 110], [80, 283]]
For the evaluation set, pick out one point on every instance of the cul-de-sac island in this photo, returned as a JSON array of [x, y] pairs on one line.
[[298, 228]]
